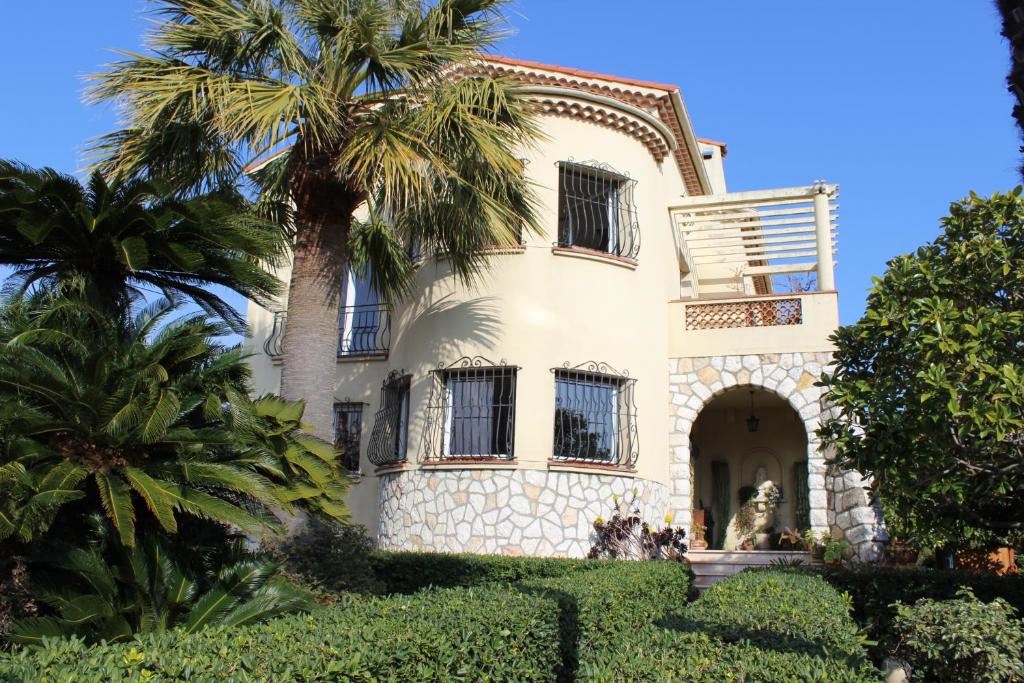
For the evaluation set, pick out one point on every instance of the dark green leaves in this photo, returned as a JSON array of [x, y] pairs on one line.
[[928, 383]]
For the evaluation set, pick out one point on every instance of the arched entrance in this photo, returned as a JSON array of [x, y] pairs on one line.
[[749, 470]]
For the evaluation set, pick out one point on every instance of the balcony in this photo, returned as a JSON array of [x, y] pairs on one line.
[[364, 331], [747, 242], [767, 323]]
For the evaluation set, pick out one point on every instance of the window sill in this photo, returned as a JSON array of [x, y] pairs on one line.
[[471, 464], [400, 466], [362, 357], [594, 255], [591, 468], [491, 251]]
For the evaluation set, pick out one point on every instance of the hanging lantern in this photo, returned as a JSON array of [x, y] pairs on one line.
[[753, 422]]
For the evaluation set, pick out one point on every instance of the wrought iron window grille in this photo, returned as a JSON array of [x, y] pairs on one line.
[[273, 346], [472, 411], [348, 432], [596, 209], [595, 416], [389, 438], [364, 330]]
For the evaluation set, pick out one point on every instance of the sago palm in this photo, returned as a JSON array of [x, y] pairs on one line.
[[107, 591], [370, 105], [143, 420], [127, 238]]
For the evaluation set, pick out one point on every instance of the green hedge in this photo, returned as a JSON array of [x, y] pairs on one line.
[[669, 656], [601, 608], [796, 612], [408, 572], [875, 589], [754, 626], [481, 634]]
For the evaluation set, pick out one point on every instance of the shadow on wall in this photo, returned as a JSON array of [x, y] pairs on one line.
[[442, 329]]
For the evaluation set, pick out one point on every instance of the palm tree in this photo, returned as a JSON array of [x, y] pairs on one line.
[[146, 421], [126, 237], [107, 591], [367, 104]]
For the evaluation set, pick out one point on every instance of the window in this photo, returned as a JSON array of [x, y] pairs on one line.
[[389, 439], [473, 411], [348, 430], [595, 210], [364, 321], [595, 417]]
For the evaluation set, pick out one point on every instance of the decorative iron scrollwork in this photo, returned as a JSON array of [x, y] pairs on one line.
[[596, 209], [595, 415], [472, 409]]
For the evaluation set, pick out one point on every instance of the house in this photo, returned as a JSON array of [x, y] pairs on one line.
[[660, 343]]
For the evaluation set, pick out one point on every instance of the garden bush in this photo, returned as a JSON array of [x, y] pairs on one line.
[[670, 656], [329, 557], [963, 640], [874, 590], [479, 634], [408, 572], [601, 608], [776, 609]]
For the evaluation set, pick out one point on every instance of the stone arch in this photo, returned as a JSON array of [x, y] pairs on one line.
[[696, 382]]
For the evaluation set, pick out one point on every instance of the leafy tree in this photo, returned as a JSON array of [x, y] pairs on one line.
[[109, 591], [361, 103], [147, 423], [121, 239], [929, 384]]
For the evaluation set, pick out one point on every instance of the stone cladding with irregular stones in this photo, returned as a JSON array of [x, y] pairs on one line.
[[505, 511], [838, 500]]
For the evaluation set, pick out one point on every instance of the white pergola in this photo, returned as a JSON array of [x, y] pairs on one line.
[[761, 233]]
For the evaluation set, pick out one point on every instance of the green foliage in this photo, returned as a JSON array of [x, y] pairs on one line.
[[122, 239], [776, 609], [408, 572], [602, 607], [330, 558], [961, 641], [143, 422], [359, 99], [874, 590], [669, 656], [929, 384], [108, 592], [481, 634], [765, 625]]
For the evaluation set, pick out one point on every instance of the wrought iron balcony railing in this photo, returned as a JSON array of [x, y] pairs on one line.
[[363, 331], [273, 346]]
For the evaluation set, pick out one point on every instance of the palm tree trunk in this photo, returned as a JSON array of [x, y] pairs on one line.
[[323, 217]]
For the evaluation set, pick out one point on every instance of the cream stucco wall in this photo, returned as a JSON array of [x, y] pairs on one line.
[[535, 309]]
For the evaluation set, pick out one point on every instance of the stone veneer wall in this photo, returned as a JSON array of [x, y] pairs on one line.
[[838, 500], [506, 511]]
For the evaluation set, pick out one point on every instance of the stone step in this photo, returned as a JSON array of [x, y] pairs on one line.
[[711, 566]]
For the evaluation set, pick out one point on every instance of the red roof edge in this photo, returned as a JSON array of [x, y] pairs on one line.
[[580, 73]]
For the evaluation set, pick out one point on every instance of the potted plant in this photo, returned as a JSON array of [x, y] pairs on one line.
[[902, 552], [815, 544], [834, 549]]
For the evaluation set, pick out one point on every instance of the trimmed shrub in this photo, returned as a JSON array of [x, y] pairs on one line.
[[408, 572], [777, 609], [668, 656], [874, 591], [960, 641], [603, 607], [481, 634], [329, 557]]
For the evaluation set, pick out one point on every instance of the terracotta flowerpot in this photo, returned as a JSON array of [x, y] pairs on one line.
[[901, 553], [999, 561]]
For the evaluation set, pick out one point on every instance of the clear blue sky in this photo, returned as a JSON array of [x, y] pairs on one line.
[[901, 103]]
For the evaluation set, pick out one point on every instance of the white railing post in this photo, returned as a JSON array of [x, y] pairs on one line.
[[823, 234]]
